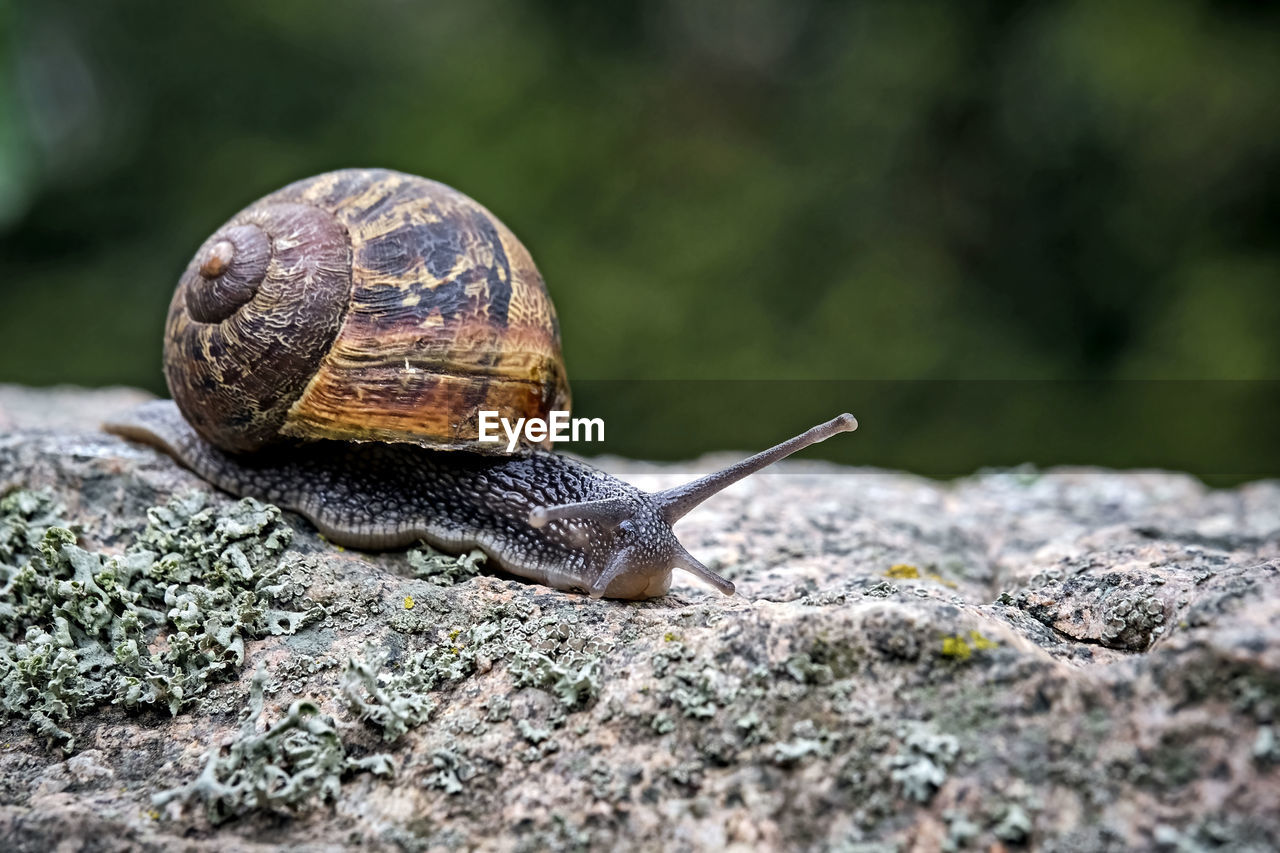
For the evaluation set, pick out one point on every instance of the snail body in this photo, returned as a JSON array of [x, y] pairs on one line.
[[329, 350]]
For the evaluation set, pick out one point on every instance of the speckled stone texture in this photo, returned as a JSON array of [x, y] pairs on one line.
[[1074, 659]]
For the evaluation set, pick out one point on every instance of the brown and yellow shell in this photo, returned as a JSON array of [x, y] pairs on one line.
[[365, 305]]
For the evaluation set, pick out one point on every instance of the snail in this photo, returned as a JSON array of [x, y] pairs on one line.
[[329, 349]]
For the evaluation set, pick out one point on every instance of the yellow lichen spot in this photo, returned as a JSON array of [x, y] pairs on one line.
[[903, 572], [949, 584], [453, 635], [408, 602], [957, 647], [980, 642], [669, 637]]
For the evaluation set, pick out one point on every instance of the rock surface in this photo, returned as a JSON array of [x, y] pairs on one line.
[[1073, 659]]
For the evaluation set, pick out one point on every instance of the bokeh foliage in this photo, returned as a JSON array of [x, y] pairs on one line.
[[766, 189]]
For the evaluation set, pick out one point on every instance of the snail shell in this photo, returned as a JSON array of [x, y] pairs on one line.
[[367, 305]]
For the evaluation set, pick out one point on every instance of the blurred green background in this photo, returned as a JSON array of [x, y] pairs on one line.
[[750, 214]]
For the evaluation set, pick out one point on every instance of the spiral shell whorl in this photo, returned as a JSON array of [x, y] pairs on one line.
[[231, 265], [243, 343]]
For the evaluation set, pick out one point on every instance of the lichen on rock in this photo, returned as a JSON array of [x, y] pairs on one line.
[[293, 762], [1069, 659], [920, 765], [395, 702], [444, 569], [152, 626]]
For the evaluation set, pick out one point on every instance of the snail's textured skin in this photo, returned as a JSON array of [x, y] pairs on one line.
[[378, 496], [362, 304]]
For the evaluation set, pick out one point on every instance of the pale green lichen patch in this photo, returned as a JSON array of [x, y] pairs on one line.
[[1014, 824], [807, 741], [920, 764], [696, 687], [394, 702], [293, 761], [154, 626], [452, 770], [444, 569], [540, 653], [572, 679]]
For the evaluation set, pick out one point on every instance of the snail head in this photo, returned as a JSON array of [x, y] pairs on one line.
[[643, 548]]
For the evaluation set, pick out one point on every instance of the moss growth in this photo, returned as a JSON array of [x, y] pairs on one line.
[[154, 626], [293, 761]]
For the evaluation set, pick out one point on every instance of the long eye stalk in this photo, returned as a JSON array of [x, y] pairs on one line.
[[676, 503]]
